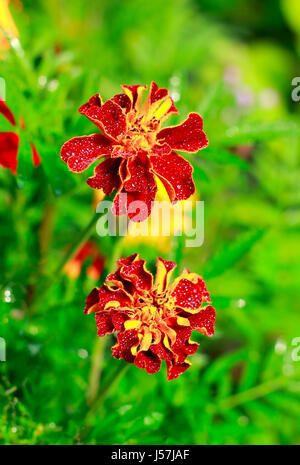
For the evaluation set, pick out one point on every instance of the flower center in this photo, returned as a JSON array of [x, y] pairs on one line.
[[154, 308], [140, 134]]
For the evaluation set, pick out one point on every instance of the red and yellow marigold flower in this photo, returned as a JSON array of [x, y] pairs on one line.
[[87, 250], [135, 149], [153, 321], [10, 140]]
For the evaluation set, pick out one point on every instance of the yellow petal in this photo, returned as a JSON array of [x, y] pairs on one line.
[[183, 321], [134, 350], [112, 303], [146, 340], [132, 324], [93, 309], [164, 107]]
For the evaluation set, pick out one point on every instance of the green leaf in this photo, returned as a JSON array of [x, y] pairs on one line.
[[25, 163], [231, 253], [219, 155], [60, 178], [211, 100]]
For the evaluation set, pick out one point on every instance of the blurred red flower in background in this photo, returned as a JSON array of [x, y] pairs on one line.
[[86, 251], [136, 149], [9, 142], [153, 322]]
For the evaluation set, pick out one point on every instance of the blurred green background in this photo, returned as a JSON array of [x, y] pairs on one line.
[[233, 62]]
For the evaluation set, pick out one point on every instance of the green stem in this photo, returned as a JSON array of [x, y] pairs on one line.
[[80, 239], [98, 402], [99, 349], [254, 393], [96, 369], [107, 389]]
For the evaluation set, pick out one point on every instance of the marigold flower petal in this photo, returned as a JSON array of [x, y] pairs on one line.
[[187, 136], [203, 321], [9, 145], [88, 249], [7, 113], [164, 270], [80, 152], [176, 174], [137, 205], [125, 341], [36, 159], [175, 370], [137, 273], [140, 178], [10, 142], [107, 298], [135, 93], [104, 324], [149, 361], [111, 120], [91, 109], [190, 293], [106, 176], [123, 101]]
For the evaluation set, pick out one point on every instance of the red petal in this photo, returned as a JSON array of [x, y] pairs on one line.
[[36, 159], [126, 341], [161, 149], [183, 333], [94, 271], [188, 136], [175, 370], [168, 264], [80, 152], [123, 101], [138, 275], [91, 300], [184, 350], [9, 144], [106, 294], [118, 320], [156, 93], [84, 252], [106, 176], [204, 320], [116, 277], [6, 112], [91, 108], [190, 295], [161, 351], [104, 324], [191, 347], [176, 174], [108, 117], [112, 120], [158, 103], [164, 269], [141, 179], [138, 205], [94, 101], [128, 260], [148, 360], [135, 93]]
